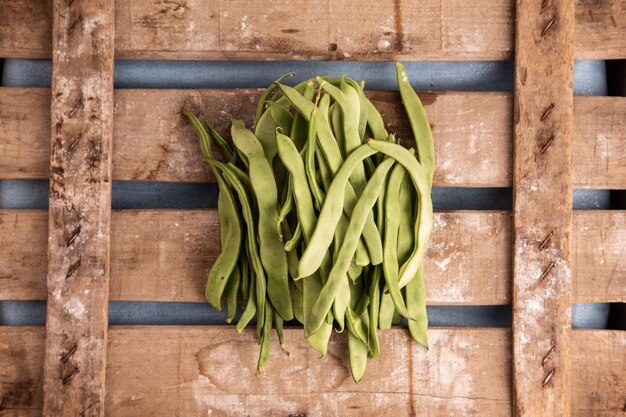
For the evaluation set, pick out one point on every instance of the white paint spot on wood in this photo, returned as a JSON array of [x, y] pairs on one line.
[[74, 308], [442, 265], [384, 44], [451, 372]]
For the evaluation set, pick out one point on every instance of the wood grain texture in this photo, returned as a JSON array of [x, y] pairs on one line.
[[466, 372], [473, 141], [542, 207], [79, 207], [164, 255], [398, 30]]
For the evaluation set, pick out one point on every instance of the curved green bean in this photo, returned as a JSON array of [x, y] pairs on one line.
[[252, 247], [348, 248], [250, 309], [424, 223], [390, 241], [418, 121], [232, 290], [295, 240], [272, 252], [226, 262], [357, 356], [264, 354], [374, 309], [375, 122], [331, 212], [266, 95], [280, 116]]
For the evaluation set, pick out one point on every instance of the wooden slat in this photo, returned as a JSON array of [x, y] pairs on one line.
[[407, 30], [163, 255], [542, 207], [80, 207], [473, 142], [466, 372]]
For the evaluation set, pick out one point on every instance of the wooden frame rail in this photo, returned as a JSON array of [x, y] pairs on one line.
[[466, 372], [164, 255], [474, 141], [344, 30]]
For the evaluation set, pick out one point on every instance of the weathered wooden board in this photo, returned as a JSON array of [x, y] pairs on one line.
[[542, 207], [163, 255], [80, 207], [473, 142], [392, 30], [466, 372]]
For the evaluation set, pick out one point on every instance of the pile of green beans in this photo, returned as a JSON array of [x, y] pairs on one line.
[[324, 216]]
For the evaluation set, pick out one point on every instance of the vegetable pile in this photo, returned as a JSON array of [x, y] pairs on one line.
[[324, 216]]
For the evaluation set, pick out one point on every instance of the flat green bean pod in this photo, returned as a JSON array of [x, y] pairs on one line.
[[416, 304], [375, 122], [252, 246], [418, 121], [390, 247], [266, 95], [280, 116], [273, 255], [226, 262], [249, 311], [357, 222], [232, 290], [358, 357], [331, 213], [264, 354], [424, 223]]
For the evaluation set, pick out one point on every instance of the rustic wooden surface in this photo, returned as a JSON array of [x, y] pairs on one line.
[[466, 372], [542, 207], [163, 255], [393, 30], [473, 142], [80, 208]]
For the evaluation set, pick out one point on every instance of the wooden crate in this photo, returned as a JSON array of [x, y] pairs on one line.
[[540, 258]]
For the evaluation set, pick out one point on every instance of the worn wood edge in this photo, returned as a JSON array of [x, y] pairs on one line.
[[163, 255], [423, 31], [466, 369], [473, 145]]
